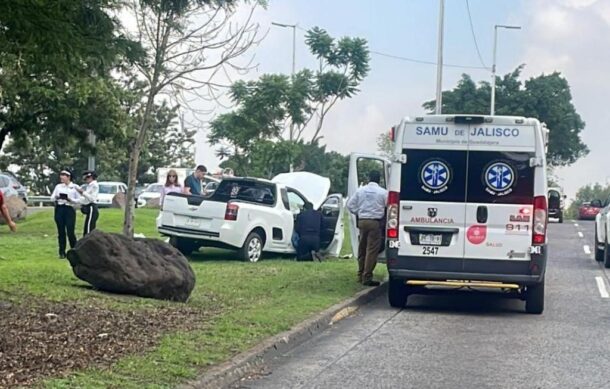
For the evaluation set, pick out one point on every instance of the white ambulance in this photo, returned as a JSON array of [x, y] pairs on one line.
[[467, 206]]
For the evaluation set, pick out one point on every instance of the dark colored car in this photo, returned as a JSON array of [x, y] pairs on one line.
[[556, 199], [588, 210]]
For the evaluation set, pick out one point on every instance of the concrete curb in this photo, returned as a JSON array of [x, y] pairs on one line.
[[253, 360]]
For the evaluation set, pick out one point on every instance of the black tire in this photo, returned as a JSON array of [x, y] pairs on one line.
[[252, 250], [398, 293], [534, 299], [599, 253], [560, 217], [185, 246], [606, 254]]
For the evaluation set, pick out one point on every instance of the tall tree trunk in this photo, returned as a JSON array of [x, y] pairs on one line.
[[134, 159]]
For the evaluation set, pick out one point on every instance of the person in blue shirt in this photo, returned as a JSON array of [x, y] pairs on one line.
[[369, 205], [193, 183]]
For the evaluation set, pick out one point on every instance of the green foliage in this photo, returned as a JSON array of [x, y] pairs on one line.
[[385, 145], [546, 97]]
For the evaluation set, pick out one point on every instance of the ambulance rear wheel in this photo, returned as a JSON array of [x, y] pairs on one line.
[[398, 292], [534, 299]]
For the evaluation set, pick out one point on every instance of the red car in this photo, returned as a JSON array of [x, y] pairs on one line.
[[588, 211]]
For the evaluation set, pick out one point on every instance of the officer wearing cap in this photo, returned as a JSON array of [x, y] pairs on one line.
[[88, 200], [65, 197]]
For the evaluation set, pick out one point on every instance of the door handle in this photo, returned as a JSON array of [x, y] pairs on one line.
[[482, 214]]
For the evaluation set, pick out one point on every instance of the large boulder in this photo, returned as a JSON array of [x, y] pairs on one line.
[[17, 208], [143, 267], [119, 200]]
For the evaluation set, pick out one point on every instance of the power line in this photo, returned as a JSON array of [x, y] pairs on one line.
[[474, 36], [419, 61]]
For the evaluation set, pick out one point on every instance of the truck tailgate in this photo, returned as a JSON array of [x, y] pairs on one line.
[[192, 213]]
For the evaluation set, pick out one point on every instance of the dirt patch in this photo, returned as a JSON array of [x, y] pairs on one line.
[[52, 339]]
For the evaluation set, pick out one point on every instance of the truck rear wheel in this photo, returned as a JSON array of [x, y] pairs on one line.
[[606, 254], [252, 250], [185, 246], [398, 293], [534, 299]]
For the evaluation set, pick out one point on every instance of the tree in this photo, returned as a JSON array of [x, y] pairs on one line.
[[55, 61], [385, 145], [278, 108], [546, 97], [186, 43]]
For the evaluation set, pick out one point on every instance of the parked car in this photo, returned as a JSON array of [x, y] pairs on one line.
[[21, 190], [589, 210], [251, 215], [152, 191], [602, 235], [108, 189], [556, 200]]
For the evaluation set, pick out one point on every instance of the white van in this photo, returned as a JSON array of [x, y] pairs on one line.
[[467, 205]]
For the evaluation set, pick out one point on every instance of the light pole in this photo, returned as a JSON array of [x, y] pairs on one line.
[[493, 66], [294, 63], [439, 61], [294, 41]]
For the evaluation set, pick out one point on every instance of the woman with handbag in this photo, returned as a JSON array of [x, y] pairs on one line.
[[88, 199]]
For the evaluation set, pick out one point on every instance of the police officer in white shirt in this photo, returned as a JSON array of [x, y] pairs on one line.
[[88, 199], [369, 205], [66, 197]]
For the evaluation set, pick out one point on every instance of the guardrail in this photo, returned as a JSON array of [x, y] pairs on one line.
[[40, 201]]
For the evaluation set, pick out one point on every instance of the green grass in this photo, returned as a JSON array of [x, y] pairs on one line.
[[250, 301]]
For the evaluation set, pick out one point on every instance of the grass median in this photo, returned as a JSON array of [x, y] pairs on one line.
[[127, 341]]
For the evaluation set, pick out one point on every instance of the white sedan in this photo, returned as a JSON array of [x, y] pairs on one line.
[[152, 191], [108, 189]]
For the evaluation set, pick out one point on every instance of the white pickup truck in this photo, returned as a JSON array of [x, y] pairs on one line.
[[252, 215]]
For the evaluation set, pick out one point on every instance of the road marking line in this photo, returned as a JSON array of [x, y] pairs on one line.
[[587, 249], [580, 234], [575, 224], [602, 287]]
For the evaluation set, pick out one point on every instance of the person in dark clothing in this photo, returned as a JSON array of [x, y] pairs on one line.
[[309, 227], [193, 183], [65, 197]]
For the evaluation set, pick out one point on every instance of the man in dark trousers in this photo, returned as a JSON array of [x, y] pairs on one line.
[[309, 228], [369, 205]]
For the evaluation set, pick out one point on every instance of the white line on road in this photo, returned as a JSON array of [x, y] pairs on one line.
[[575, 224], [602, 287], [581, 235], [587, 249]]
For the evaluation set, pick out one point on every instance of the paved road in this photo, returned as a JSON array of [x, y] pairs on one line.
[[473, 340]]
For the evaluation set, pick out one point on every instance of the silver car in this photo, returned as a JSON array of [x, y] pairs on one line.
[[11, 187]]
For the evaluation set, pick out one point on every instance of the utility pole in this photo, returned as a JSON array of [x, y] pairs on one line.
[[439, 61], [493, 66], [294, 64]]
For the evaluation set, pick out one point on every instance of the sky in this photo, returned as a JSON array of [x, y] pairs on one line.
[[569, 36]]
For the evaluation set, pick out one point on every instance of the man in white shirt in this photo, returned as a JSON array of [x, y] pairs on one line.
[[88, 201], [369, 205]]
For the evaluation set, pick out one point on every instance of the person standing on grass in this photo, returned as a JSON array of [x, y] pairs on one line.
[[6, 214], [171, 186], [88, 199], [65, 197], [193, 183], [369, 205]]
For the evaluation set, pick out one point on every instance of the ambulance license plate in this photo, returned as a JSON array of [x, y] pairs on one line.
[[430, 239]]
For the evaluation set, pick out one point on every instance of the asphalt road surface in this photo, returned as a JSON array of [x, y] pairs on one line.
[[470, 340]]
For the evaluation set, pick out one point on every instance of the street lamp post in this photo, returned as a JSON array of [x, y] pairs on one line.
[[294, 62], [493, 66], [439, 61]]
